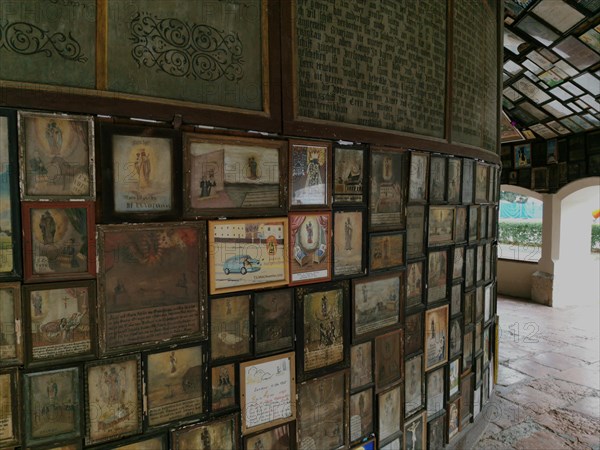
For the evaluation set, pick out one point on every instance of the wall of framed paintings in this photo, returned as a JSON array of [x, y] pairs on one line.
[[183, 287], [287, 251]]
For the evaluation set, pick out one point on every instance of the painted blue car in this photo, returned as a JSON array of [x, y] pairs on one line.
[[241, 264]]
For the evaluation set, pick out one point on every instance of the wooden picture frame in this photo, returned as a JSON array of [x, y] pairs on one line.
[[224, 388], [361, 366], [152, 441], [435, 380], [468, 307], [350, 180], [349, 251], [458, 263], [386, 250], [482, 181], [11, 407], [362, 414], [155, 268], [273, 321], [413, 333], [436, 337], [522, 155], [322, 333], [470, 267], [44, 393], [389, 357], [11, 345], [230, 327], [438, 174], [415, 277], [110, 412], [226, 176], [415, 231], [467, 357], [460, 224], [539, 179], [454, 422], [56, 153], [454, 187], [437, 275], [368, 444], [414, 388], [309, 174], [389, 409], [415, 432], [60, 322], [388, 189], [10, 241], [322, 411], [418, 183], [466, 395], [59, 241], [267, 392], [454, 367], [473, 233], [309, 247], [175, 385], [221, 432], [440, 225], [141, 173], [369, 319], [247, 254], [281, 437], [436, 432], [482, 216], [468, 181]]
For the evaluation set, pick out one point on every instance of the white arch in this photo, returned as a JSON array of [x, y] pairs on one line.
[[576, 185], [521, 191]]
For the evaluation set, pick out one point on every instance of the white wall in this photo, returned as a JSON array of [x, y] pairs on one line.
[[514, 278]]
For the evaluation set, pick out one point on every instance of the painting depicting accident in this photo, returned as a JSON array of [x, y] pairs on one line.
[[230, 177], [151, 284], [246, 254], [59, 320]]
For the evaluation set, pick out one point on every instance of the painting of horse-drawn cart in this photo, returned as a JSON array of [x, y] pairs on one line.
[[60, 321]]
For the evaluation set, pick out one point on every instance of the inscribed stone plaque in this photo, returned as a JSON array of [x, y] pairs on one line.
[[375, 64], [48, 42], [475, 84], [201, 51]]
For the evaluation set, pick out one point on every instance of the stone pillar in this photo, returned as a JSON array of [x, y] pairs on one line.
[[542, 281]]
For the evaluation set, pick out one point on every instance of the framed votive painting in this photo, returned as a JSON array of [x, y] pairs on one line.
[[310, 247], [310, 174]]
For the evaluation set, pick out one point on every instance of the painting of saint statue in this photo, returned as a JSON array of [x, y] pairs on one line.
[[436, 337], [386, 210], [310, 173], [349, 166]]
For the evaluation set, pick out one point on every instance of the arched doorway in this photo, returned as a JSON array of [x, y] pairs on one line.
[[577, 269]]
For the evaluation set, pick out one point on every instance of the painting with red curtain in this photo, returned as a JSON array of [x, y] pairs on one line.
[[310, 247]]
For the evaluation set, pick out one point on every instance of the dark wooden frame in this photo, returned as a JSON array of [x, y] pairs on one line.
[[28, 244], [361, 337], [462, 263], [435, 197], [327, 181], [136, 440], [458, 418], [421, 299], [364, 173], [221, 360], [372, 428], [291, 434], [421, 382], [382, 234], [458, 163], [433, 426], [29, 401], [370, 363], [363, 249], [442, 404], [232, 212], [461, 225], [454, 287], [402, 158], [410, 331], [381, 361], [443, 361], [421, 234], [110, 176], [436, 299], [327, 258], [397, 433], [422, 417], [27, 290], [434, 240], [301, 333], [258, 324], [174, 434], [236, 389], [421, 199], [13, 193], [202, 377], [200, 298], [17, 323], [16, 407]]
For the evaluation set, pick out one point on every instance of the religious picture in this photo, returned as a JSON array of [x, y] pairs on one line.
[[387, 193], [437, 276], [60, 321], [467, 181], [415, 231], [52, 406], [223, 387], [309, 173], [59, 240], [413, 327], [278, 438], [113, 399], [441, 225], [458, 263], [482, 174], [467, 358], [413, 387], [361, 414], [414, 284], [389, 412], [386, 250], [322, 411], [436, 337], [435, 391], [347, 243], [522, 156], [418, 178], [219, 433], [174, 384], [456, 337], [453, 378], [247, 253], [143, 170], [436, 432], [460, 224], [376, 304], [310, 247], [232, 176], [437, 179], [453, 418], [321, 331], [414, 433], [229, 327], [454, 180], [348, 175], [552, 151], [273, 321], [388, 358], [361, 365], [11, 344], [56, 156], [456, 299], [10, 435]]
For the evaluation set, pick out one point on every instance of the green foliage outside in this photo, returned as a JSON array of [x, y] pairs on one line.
[[530, 234], [596, 237]]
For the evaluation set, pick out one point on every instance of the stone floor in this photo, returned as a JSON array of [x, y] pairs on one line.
[[548, 392]]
